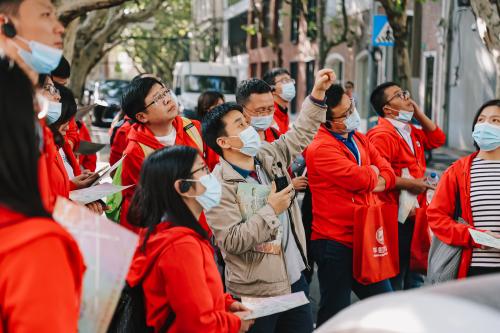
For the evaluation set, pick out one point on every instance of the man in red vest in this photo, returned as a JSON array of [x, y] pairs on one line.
[[403, 145], [283, 92]]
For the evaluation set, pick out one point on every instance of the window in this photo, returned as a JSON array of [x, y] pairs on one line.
[[253, 70], [295, 20], [200, 83], [264, 68], [312, 29], [294, 73], [429, 85], [237, 36], [266, 20], [253, 37], [309, 76]]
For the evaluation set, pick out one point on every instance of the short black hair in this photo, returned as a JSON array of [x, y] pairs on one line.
[[63, 70], [270, 76], [333, 98], [378, 98], [251, 86], [493, 102], [10, 7], [213, 125], [132, 101], [350, 83]]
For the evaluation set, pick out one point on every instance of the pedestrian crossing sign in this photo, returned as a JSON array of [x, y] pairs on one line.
[[382, 31]]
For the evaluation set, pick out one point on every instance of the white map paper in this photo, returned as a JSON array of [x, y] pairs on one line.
[[93, 193], [484, 239], [407, 201], [107, 250], [108, 172], [267, 306]]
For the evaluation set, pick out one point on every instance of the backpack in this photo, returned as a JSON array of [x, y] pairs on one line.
[[130, 313], [115, 201]]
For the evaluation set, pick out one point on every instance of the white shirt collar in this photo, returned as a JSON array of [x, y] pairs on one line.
[[400, 125]]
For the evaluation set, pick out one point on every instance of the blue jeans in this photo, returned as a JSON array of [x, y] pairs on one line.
[[334, 262], [297, 320], [406, 279]]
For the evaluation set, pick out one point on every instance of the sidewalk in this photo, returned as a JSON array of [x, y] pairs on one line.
[[443, 157]]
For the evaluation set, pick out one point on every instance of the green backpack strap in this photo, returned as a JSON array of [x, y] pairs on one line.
[[114, 201]]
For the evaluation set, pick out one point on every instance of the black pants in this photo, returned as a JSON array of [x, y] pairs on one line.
[[306, 211]]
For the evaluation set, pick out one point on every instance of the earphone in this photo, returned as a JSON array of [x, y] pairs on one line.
[[8, 29], [184, 186]]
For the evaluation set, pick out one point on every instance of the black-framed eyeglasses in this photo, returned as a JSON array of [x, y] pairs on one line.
[[403, 94], [349, 111], [51, 89], [204, 168], [160, 96]]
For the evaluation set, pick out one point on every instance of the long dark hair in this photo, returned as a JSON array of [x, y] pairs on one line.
[[20, 134], [207, 100], [493, 102], [68, 111], [156, 199]]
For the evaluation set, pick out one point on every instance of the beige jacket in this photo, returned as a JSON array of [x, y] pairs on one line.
[[250, 273]]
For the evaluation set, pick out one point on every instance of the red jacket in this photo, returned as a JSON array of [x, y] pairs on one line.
[[335, 177], [41, 276], [281, 118], [60, 183], [442, 208], [72, 134], [88, 162], [45, 163], [178, 273], [396, 151], [142, 140], [271, 134], [120, 141]]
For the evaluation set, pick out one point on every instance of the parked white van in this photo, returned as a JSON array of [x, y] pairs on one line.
[[193, 78]]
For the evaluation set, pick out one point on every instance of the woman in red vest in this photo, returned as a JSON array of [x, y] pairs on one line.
[[475, 181], [174, 262], [41, 265]]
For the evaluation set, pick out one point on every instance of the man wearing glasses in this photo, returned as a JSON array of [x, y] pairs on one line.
[[283, 93], [154, 109], [403, 145], [344, 171]]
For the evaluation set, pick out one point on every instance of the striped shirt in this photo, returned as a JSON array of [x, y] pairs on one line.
[[485, 205]]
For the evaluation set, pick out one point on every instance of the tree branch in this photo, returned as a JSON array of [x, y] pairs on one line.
[[69, 11]]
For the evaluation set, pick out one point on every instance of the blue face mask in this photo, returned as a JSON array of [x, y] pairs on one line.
[[53, 112], [405, 116], [251, 141], [288, 91], [352, 122], [211, 197], [487, 136], [261, 123], [42, 58]]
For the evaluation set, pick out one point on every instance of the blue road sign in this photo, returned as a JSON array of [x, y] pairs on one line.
[[382, 31]]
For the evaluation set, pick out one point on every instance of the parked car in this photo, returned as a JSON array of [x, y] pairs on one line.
[[107, 97]]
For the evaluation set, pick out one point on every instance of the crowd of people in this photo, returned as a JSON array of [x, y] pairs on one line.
[[215, 199]]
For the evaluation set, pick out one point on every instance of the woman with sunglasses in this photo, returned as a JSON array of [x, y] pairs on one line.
[[174, 261], [472, 184]]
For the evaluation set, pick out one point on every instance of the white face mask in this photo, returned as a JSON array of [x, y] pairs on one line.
[[352, 122], [261, 123], [251, 141], [288, 91], [212, 195]]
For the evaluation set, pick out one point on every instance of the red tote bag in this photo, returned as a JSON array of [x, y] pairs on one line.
[[375, 243], [420, 242]]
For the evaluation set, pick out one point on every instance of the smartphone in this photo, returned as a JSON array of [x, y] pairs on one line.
[[281, 183]]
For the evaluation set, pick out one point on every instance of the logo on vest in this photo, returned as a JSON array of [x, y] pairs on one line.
[[380, 251]]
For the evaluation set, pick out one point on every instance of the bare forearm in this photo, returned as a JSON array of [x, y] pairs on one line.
[[403, 183], [427, 124]]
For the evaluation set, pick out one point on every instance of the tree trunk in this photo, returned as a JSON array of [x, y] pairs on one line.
[[489, 13]]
